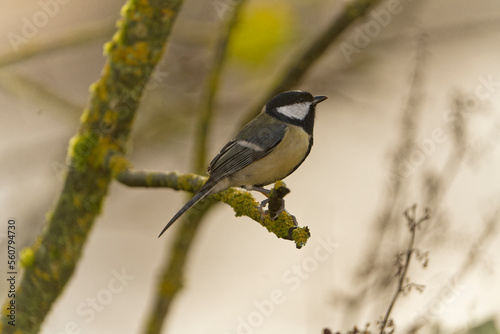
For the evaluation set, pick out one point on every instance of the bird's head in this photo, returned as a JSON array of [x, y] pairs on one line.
[[295, 107]]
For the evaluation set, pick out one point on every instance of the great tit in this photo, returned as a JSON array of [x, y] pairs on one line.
[[269, 148]]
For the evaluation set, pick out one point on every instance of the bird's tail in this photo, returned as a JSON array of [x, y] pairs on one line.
[[204, 192]]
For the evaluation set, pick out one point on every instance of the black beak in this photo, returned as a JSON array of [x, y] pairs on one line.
[[318, 99]]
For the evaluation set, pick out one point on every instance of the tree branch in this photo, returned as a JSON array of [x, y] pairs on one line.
[[172, 273], [211, 87], [372, 271], [75, 36], [105, 126], [171, 277], [239, 199], [297, 69]]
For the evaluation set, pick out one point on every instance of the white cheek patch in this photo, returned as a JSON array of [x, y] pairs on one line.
[[296, 111], [250, 145]]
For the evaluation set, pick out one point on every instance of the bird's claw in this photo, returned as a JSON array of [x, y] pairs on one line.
[[263, 212], [275, 208], [275, 204]]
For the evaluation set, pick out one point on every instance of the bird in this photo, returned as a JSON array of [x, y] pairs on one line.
[[267, 149]]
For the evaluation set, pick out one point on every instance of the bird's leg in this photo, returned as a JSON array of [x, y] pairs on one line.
[[263, 212], [263, 191], [263, 204], [276, 202], [276, 206]]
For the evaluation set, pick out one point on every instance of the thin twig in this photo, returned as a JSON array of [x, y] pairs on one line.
[[172, 276], [386, 222], [76, 36], [413, 224], [438, 183], [205, 117], [395, 179], [489, 232]]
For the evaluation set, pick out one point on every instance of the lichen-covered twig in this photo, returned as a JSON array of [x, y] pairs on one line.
[[105, 126], [242, 202]]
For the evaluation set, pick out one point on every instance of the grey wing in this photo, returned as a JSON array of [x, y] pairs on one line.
[[248, 146]]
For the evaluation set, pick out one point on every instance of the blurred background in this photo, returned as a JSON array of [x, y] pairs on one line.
[[412, 118]]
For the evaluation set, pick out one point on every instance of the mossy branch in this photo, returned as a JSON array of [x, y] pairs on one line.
[[105, 126], [242, 202]]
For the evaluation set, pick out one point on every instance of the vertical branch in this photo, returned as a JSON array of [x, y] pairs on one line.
[[386, 325], [438, 183], [173, 273], [212, 84], [476, 249], [105, 127], [395, 178]]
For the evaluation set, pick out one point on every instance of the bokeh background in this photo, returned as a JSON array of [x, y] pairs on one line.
[[430, 74]]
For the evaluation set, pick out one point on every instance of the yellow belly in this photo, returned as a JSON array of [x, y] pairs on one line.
[[277, 164]]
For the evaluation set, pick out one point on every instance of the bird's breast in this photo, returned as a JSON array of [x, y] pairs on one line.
[[279, 163]]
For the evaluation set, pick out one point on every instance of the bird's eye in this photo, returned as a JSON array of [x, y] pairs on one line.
[[300, 99]]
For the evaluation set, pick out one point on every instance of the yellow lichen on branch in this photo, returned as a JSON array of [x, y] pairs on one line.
[[242, 202], [94, 157]]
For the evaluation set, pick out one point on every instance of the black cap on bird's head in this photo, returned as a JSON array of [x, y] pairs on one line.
[[295, 107]]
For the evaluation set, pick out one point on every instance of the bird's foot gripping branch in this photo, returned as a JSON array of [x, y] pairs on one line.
[[284, 225], [276, 205]]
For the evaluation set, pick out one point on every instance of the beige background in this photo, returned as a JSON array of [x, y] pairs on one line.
[[337, 192]]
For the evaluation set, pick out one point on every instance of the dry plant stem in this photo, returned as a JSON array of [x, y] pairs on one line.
[[399, 288], [439, 184], [386, 222], [490, 231], [297, 69], [413, 224], [105, 126], [411, 113], [239, 199]]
